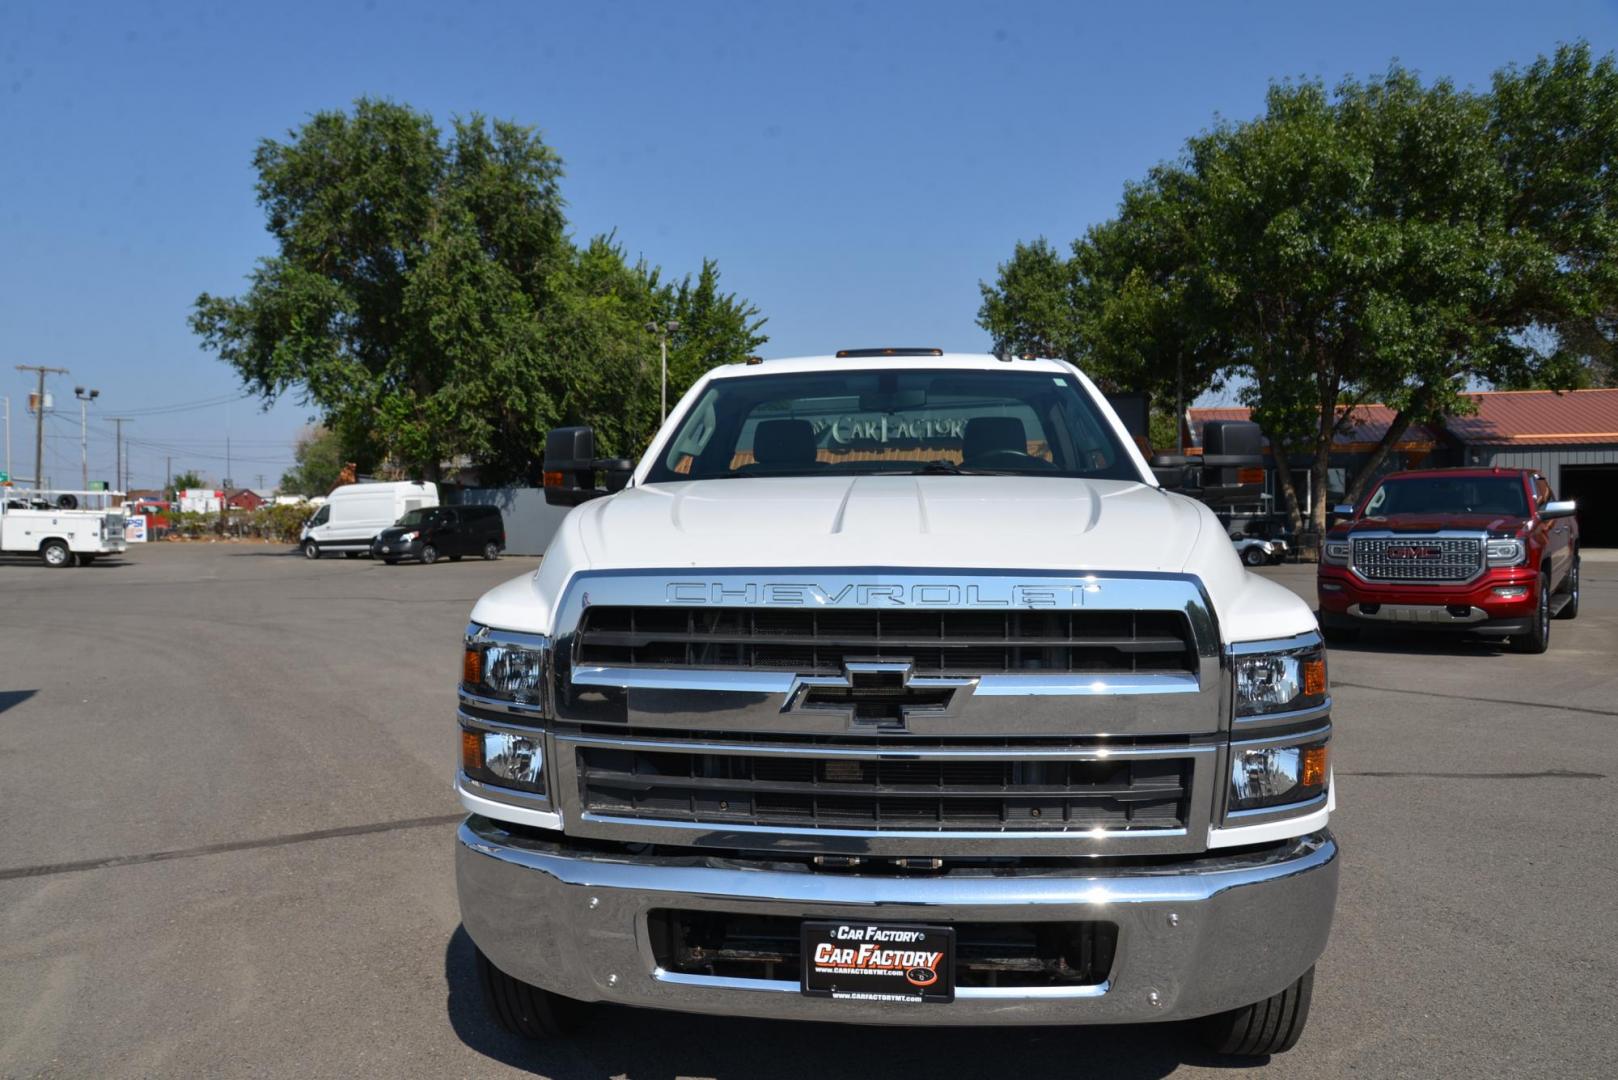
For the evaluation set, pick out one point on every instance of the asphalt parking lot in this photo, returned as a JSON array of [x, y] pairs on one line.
[[226, 850]]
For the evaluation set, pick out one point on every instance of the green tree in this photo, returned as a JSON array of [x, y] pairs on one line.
[[426, 300], [319, 456], [188, 479], [1387, 240]]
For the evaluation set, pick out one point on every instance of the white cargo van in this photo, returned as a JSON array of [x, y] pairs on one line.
[[355, 513]]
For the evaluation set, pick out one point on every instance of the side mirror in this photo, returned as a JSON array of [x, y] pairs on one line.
[[1232, 462], [1343, 510], [571, 466], [1172, 471], [1564, 508]]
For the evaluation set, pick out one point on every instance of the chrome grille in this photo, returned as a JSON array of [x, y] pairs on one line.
[[1418, 558], [941, 641], [670, 783]]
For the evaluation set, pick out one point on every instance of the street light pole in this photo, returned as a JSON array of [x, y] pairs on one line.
[[84, 433], [663, 330]]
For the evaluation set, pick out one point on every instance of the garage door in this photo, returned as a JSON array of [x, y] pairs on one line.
[[1595, 487]]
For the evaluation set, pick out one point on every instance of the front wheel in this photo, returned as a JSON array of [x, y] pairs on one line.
[[429, 554], [1255, 557], [1272, 1026], [1538, 638], [491, 551], [55, 553], [311, 550], [526, 1010], [390, 561]]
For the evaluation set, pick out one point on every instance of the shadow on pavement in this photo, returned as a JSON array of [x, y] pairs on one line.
[[11, 698], [647, 1043], [1419, 643]]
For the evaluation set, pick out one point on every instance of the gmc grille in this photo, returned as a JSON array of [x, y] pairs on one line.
[[916, 794], [946, 642], [1418, 558]]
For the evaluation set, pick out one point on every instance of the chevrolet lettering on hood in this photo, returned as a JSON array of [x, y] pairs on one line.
[[865, 595]]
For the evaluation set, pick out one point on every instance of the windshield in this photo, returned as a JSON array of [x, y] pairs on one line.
[[869, 422], [417, 517], [1502, 495]]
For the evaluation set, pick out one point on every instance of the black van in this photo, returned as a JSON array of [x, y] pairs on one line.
[[434, 532]]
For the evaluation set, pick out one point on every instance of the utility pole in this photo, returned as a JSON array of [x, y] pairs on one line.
[[84, 433], [39, 416], [118, 470], [8, 437], [168, 474], [663, 330]]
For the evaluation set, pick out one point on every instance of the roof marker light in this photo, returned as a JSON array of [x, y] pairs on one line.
[[862, 354]]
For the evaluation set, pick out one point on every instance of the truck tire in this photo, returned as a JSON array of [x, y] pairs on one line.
[[311, 550], [1271, 1026], [1570, 610], [1254, 556], [491, 551], [429, 554], [1538, 639], [526, 1010], [55, 553]]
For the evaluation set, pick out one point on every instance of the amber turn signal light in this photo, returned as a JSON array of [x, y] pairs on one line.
[[1314, 678], [471, 751], [472, 667], [553, 478], [1314, 767]]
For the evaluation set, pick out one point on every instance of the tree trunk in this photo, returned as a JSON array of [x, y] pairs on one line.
[[1283, 479], [1390, 438]]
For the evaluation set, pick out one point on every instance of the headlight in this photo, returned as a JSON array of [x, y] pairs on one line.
[[1268, 776], [1280, 681], [506, 666], [407, 537], [1506, 552], [504, 759], [1335, 552]]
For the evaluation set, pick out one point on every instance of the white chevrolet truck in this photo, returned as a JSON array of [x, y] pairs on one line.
[[895, 687]]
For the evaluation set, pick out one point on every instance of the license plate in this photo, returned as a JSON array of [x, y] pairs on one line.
[[859, 961]]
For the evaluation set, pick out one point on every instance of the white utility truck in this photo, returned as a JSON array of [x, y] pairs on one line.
[[897, 687], [52, 525]]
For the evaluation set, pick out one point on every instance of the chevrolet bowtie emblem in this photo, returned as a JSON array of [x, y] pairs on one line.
[[878, 694]]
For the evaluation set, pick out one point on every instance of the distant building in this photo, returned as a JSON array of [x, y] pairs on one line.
[[1571, 439], [244, 499]]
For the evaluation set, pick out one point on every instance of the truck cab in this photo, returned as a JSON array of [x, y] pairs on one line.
[[895, 687], [1484, 551]]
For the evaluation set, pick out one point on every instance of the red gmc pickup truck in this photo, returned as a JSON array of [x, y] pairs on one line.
[[1487, 551]]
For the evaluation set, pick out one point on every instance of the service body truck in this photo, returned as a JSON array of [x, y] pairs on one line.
[[353, 514], [895, 687], [50, 525]]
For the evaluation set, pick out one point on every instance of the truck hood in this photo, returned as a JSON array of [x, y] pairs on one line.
[[871, 521], [1430, 523]]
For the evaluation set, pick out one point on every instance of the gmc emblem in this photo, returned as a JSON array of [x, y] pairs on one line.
[[1412, 551]]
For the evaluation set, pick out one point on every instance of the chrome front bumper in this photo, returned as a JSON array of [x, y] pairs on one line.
[[1194, 937]]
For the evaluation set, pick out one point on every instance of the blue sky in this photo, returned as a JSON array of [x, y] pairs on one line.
[[856, 169]]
